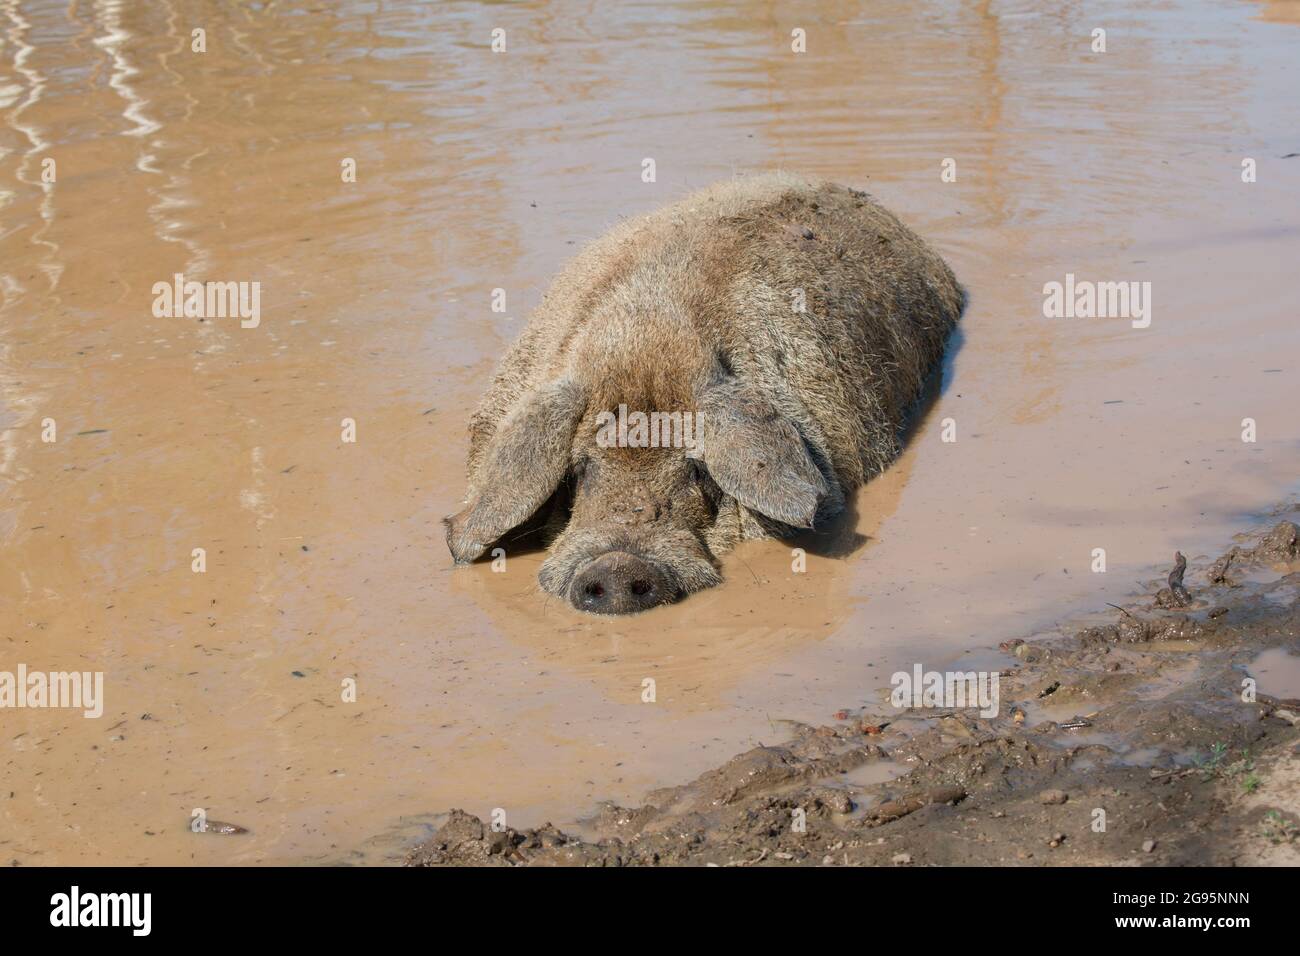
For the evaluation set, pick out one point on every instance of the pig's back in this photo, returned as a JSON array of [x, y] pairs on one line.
[[878, 305], [723, 271]]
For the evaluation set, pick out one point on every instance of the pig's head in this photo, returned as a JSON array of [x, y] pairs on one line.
[[638, 518]]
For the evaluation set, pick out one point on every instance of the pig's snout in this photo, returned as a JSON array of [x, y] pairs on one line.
[[619, 583]]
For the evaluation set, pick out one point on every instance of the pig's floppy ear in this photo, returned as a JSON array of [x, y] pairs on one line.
[[523, 464], [756, 454]]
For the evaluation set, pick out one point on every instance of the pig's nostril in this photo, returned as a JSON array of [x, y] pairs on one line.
[[595, 589], [640, 588]]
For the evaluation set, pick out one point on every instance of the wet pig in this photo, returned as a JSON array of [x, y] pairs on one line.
[[729, 367]]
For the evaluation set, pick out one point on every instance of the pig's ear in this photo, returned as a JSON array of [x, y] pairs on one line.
[[524, 462], [756, 454]]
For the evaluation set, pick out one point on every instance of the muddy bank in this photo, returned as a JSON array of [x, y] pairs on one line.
[[1168, 735]]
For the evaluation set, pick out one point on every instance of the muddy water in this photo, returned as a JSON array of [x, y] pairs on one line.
[[477, 171], [1277, 672]]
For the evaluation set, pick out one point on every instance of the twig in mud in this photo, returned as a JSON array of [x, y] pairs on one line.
[[750, 570], [1182, 772], [1124, 610]]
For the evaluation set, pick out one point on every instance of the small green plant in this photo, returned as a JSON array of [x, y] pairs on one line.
[[1278, 829], [1216, 765], [1245, 765], [1209, 766]]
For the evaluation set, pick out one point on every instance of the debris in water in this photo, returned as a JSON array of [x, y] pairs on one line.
[[1176, 595], [216, 826], [1176, 580]]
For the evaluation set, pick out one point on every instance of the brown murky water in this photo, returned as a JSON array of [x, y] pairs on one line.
[[478, 171]]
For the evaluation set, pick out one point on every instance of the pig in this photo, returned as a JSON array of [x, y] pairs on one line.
[[794, 323]]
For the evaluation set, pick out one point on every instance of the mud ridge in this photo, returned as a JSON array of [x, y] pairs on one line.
[[1135, 742]]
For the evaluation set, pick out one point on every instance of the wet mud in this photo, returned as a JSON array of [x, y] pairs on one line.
[[1155, 738]]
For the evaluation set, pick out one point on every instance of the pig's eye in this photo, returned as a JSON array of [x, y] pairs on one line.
[[583, 472], [702, 482], [699, 472]]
